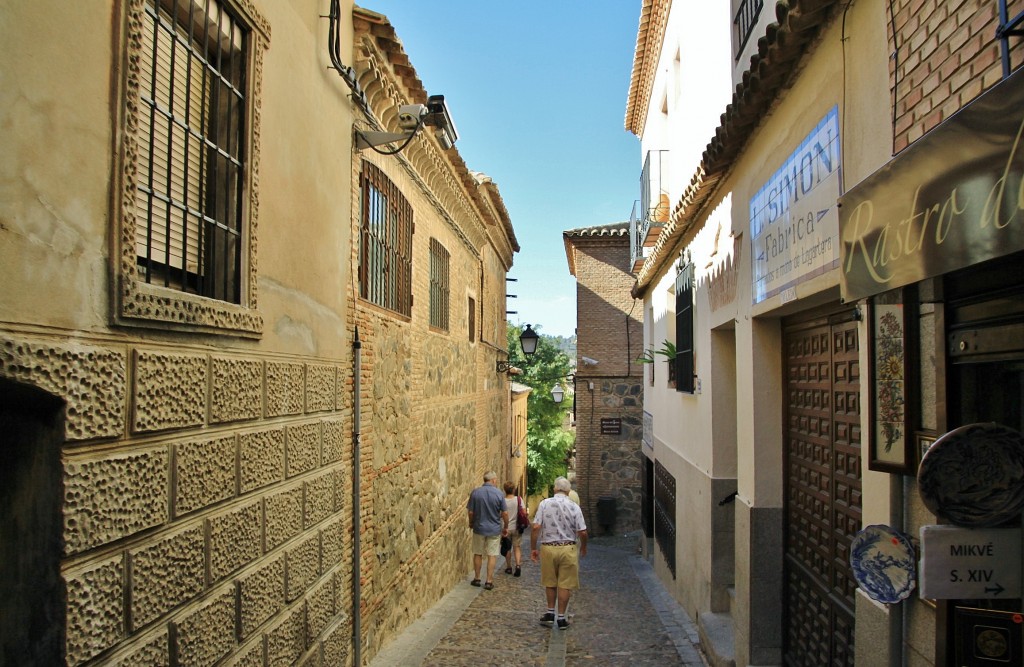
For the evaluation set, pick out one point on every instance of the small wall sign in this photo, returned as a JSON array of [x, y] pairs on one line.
[[970, 563], [611, 426]]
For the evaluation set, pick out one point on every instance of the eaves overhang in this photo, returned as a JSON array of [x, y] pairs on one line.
[[785, 42], [571, 237], [381, 54], [650, 36]]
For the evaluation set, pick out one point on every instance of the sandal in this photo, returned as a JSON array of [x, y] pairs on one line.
[[488, 586], [508, 570], [475, 582]]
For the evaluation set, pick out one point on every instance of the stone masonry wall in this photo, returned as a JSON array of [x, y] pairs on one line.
[[610, 465], [205, 500], [434, 419]]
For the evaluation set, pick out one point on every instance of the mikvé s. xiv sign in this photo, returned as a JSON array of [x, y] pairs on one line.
[[953, 199]]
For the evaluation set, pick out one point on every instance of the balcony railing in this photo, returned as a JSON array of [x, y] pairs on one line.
[[650, 213], [744, 22], [636, 243]]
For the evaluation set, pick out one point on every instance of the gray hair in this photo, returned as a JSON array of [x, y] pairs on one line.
[[488, 476], [563, 485]]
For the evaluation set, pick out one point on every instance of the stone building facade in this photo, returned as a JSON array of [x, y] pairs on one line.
[[608, 393], [846, 248], [178, 415], [437, 414], [516, 471]]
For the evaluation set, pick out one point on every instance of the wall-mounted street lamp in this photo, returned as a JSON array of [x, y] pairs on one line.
[[528, 341], [558, 392]]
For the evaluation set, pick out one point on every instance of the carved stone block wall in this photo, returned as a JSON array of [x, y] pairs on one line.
[[165, 574], [237, 390], [168, 391], [112, 496], [203, 509], [261, 458], [204, 471], [284, 388], [90, 378], [260, 594], [95, 611]]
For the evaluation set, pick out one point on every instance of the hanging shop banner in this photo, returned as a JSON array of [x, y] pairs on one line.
[[794, 228], [951, 200]]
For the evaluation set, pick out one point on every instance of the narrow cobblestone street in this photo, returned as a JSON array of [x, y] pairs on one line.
[[622, 615]]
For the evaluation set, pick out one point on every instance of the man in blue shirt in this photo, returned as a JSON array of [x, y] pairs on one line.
[[489, 520]]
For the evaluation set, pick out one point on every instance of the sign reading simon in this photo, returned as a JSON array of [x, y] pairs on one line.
[[953, 199], [794, 223]]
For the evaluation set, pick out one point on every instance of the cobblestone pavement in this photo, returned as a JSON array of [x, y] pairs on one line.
[[621, 615]]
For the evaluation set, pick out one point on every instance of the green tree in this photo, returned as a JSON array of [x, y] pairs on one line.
[[548, 440]]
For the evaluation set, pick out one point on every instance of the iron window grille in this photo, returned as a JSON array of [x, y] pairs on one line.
[[743, 23], [191, 165], [683, 364], [665, 514], [385, 253], [439, 286]]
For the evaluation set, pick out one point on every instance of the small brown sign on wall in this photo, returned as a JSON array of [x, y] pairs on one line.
[[611, 426]]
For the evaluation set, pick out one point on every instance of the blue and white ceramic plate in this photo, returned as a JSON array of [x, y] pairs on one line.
[[884, 563], [974, 475]]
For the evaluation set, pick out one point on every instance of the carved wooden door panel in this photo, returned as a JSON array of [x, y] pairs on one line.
[[822, 490]]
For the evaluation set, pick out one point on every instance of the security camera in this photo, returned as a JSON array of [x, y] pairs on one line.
[[439, 118], [587, 361], [411, 115]]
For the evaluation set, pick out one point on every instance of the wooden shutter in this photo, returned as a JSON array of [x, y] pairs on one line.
[[684, 330]]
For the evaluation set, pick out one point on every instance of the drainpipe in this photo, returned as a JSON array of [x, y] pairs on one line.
[[357, 347]]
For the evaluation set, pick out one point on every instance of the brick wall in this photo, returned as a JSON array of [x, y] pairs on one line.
[[946, 55], [609, 330]]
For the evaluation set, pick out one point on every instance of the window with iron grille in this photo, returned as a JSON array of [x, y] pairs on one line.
[[191, 165], [744, 20], [471, 308], [683, 364], [439, 291], [385, 252]]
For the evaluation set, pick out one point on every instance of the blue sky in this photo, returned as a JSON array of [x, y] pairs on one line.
[[538, 93]]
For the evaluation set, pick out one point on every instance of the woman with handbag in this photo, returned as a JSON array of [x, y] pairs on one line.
[[514, 555]]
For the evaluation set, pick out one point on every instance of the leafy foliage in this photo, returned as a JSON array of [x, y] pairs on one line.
[[667, 350], [548, 439]]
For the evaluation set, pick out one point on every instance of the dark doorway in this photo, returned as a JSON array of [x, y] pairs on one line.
[[31, 591]]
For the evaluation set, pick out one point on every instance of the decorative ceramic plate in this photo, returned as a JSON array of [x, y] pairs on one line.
[[884, 563], [974, 475]]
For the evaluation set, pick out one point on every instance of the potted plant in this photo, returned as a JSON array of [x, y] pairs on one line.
[[667, 350]]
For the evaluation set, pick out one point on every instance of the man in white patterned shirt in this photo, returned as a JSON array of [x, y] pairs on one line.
[[557, 524]]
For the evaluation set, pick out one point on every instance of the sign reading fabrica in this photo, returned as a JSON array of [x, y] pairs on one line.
[[970, 563]]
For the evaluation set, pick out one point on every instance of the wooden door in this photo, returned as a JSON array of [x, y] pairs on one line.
[[822, 489]]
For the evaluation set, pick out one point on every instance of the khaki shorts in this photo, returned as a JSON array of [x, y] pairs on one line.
[[486, 545], [559, 567]]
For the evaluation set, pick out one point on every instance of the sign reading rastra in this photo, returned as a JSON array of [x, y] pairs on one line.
[[953, 199]]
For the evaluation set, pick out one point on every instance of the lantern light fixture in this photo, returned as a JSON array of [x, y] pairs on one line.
[[528, 341]]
